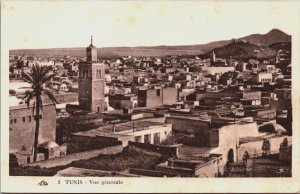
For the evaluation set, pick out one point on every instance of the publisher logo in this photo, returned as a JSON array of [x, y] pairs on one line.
[[42, 183]]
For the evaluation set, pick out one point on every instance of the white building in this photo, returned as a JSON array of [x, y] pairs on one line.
[[262, 77], [138, 131]]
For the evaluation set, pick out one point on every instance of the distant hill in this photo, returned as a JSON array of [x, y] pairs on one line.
[[124, 51], [243, 50], [274, 36]]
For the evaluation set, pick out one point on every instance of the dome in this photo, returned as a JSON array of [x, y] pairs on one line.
[[49, 144]]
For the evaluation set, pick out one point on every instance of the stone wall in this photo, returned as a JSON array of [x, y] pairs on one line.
[[254, 148], [208, 138], [158, 97], [66, 97], [170, 95], [164, 150], [118, 103], [213, 168], [229, 138], [22, 126], [280, 104], [262, 114], [156, 119], [87, 140], [210, 167], [137, 116], [187, 125], [283, 94], [183, 172], [151, 173], [252, 95], [152, 99], [77, 156]]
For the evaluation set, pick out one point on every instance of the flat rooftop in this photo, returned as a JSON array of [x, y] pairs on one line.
[[122, 129], [200, 159], [194, 151], [198, 118]]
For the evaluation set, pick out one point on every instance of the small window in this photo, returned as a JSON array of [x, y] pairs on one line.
[[85, 73], [98, 73], [11, 121], [158, 92], [15, 120], [147, 138], [24, 119], [29, 118], [137, 139]]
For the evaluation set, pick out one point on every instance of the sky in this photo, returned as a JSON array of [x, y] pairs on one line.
[[63, 24]]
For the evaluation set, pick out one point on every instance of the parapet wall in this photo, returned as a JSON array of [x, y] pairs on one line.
[[185, 125], [78, 156], [85, 140], [66, 97], [254, 148], [209, 138], [164, 150]]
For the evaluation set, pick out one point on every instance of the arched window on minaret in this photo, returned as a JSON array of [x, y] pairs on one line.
[[98, 73], [85, 73]]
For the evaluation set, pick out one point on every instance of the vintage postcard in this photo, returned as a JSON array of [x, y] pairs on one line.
[[150, 96]]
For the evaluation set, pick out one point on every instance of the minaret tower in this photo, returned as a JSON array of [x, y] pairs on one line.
[[213, 56], [91, 84], [91, 52]]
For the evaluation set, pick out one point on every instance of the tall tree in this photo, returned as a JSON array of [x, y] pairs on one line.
[[38, 76]]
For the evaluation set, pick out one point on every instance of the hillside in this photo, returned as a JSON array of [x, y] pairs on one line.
[[286, 46], [273, 36], [241, 50]]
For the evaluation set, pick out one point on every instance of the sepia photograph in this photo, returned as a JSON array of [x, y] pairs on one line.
[[112, 95]]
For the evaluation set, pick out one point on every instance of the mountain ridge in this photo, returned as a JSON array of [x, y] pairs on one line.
[[243, 51], [272, 37]]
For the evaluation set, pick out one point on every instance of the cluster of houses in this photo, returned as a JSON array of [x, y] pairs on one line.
[[224, 107]]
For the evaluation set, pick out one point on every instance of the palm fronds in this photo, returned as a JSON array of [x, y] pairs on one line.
[[37, 77]]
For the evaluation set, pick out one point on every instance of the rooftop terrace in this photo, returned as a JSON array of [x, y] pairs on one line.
[[122, 129]]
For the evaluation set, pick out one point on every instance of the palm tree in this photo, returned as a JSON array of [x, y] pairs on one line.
[[37, 77]]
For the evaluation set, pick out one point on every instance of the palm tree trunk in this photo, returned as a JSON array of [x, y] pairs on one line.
[[37, 127]]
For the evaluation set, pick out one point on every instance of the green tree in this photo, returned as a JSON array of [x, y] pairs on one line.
[[37, 77]]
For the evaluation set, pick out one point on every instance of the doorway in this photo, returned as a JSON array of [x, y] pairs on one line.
[[230, 156]]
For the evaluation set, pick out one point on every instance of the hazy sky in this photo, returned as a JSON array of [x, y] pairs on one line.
[[56, 24]]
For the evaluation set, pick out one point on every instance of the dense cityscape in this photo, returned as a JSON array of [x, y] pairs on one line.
[[223, 113]]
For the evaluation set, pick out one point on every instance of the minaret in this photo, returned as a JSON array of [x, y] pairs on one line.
[[213, 56], [91, 84], [91, 52]]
